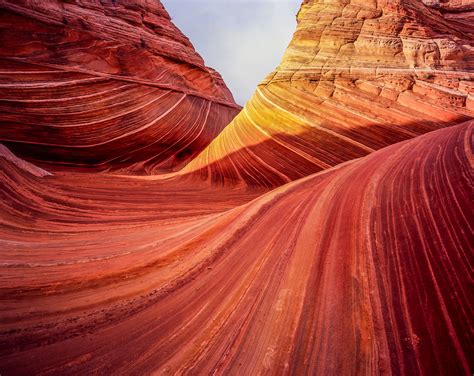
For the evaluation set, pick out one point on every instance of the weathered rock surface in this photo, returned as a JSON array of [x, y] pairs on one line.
[[364, 268], [356, 77], [105, 85]]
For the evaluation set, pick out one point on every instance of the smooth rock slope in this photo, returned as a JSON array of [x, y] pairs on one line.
[[361, 269]]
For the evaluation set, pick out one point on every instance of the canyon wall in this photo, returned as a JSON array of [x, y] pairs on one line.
[[105, 85], [326, 231], [356, 77]]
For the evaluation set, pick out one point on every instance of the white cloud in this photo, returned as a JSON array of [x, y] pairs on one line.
[[244, 40]]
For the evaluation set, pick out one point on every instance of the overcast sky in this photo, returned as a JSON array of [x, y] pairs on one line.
[[243, 40]]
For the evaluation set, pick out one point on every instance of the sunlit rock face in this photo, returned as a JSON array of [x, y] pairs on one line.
[[357, 76], [363, 268], [105, 85]]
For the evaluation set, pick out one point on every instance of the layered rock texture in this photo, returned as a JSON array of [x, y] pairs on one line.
[[362, 269], [360, 265], [356, 77], [105, 85]]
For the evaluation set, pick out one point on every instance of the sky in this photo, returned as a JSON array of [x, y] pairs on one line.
[[243, 40]]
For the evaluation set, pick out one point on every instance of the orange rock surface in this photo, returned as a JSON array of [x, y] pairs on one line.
[[356, 77], [360, 264], [105, 85]]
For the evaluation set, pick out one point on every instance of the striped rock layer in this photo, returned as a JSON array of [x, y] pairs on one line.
[[105, 85], [356, 77], [364, 269]]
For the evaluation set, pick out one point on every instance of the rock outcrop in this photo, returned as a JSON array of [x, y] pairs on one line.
[[356, 77], [362, 266], [105, 85], [360, 269]]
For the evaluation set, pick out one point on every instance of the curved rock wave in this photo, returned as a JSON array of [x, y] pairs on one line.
[[105, 86], [360, 268], [356, 77], [327, 230]]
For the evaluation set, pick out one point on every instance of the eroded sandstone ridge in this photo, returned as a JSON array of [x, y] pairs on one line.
[[105, 85], [357, 76], [362, 268]]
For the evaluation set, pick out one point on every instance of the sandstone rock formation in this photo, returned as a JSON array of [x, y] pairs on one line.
[[358, 269], [361, 264], [357, 76], [105, 85]]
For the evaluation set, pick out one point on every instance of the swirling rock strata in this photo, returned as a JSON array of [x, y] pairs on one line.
[[363, 268], [360, 269], [356, 77], [105, 85]]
